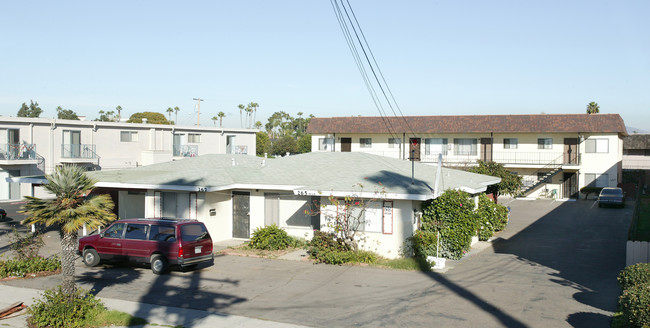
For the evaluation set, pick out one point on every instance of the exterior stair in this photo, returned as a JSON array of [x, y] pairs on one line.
[[543, 179]]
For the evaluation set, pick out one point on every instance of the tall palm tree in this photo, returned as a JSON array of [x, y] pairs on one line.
[[221, 116], [72, 208], [214, 120], [169, 112], [254, 106], [119, 112], [241, 109], [593, 108], [176, 109]]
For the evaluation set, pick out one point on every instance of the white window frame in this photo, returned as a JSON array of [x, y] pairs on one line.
[[465, 142], [128, 136], [543, 143], [365, 142], [428, 142], [599, 180], [194, 138], [597, 145], [510, 143], [394, 142]]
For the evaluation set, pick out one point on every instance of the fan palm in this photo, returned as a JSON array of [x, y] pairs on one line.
[[72, 208]]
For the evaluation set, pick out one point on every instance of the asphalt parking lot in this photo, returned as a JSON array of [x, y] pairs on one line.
[[554, 266]]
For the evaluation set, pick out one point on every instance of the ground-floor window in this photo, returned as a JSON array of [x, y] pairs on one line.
[[596, 180]]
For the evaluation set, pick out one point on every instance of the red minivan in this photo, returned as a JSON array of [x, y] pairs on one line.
[[159, 242]]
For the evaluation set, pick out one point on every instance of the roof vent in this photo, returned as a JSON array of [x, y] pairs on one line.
[[233, 161], [144, 120]]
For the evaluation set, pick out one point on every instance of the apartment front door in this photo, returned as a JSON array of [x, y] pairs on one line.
[[241, 215], [486, 149], [414, 149], [570, 150], [570, 185], [346, 145]]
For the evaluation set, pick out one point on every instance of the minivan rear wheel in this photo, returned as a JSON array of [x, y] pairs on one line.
[[158, 264], [91, 258]]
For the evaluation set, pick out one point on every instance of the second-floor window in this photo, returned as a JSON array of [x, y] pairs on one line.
[[128, 136], [545, 143], [326, 144], [465, 146], [394, 142], [193, 138], [365, 142], [435, 146], [510, 143], [593, 145]]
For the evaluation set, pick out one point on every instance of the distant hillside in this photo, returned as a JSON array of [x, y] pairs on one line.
[[632, 130]]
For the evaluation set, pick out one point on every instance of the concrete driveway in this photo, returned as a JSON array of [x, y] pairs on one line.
[[555, 266]]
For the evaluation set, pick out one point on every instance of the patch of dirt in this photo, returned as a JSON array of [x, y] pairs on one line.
[[251, 252], [34, 275]]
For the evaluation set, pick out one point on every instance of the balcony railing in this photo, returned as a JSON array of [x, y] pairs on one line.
[[186, 150], [81, 151], [506, 157], [10, 152]]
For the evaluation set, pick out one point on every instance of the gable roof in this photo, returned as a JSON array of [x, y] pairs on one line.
[[319, 173], [578, 123]]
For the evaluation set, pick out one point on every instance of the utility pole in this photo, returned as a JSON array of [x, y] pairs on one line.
[[198, 117]]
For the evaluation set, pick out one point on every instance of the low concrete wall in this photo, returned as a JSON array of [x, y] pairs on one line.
[[637, 252]]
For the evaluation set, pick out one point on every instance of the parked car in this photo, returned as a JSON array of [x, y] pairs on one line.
[[159, 242], [3, 214], [611, 196]]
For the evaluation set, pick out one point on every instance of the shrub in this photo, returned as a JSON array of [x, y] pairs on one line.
[[326, 248], [21, 267], [452, 214], [57, 309], [422, 244], [26, 245], [491, 216], [272, 238], [634, 275], [590, 190], [635, 305]]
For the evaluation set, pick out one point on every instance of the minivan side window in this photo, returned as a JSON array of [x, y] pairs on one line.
[[115, 231], [162, 233], [191, 232], [136, 231]]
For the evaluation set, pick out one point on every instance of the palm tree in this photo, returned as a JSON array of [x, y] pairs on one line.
[[214, 120], [254, 106], [119, 112], [241, 109], [221, 116], [169, 112], [72, 208], [593, 108], [176, 109]]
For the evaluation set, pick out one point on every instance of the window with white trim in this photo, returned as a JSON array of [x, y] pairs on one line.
[[544, 143], [510, 143], [465, 146], [326, 144], [596, 180], [394, 142], [365, 142], [193, 138], [595, 145], [128, 136], [435, 146]]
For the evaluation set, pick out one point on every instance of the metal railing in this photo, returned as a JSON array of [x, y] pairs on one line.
[[17, 152], [85, 151], [186, 150]]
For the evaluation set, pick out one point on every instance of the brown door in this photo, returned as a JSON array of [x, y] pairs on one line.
[[486, 149], [570, 185], [346, 145], [570, 150], [414, 149]]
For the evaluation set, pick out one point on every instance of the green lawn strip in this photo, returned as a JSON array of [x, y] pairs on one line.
[[642, 224]]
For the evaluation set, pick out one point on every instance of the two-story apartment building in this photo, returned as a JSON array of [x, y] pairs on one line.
[[35, 146], [556, 154]]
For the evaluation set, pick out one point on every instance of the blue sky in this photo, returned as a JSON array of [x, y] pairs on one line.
[[439, 57]]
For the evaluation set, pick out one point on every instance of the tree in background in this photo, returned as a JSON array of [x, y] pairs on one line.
[[152, 118], [72, 208], [241, 110], [254, 106], [214, 120], [593, 108], [262, 144], [258, 125], [304, 143], [66, 114], [169, 112], [33, 110], [221, 115], [106, 116], [510, 182], [176, 110], [119, 112], [286, 144]]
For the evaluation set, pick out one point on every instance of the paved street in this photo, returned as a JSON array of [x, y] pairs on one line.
[[555, 266]]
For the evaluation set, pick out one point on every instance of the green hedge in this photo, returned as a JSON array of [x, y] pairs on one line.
[[324, 247], [272, 238], [634, 303], [491, 217], [22, 267], [452, 215]]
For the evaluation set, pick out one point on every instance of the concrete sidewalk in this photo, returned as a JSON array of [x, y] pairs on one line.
[[158, 315]]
